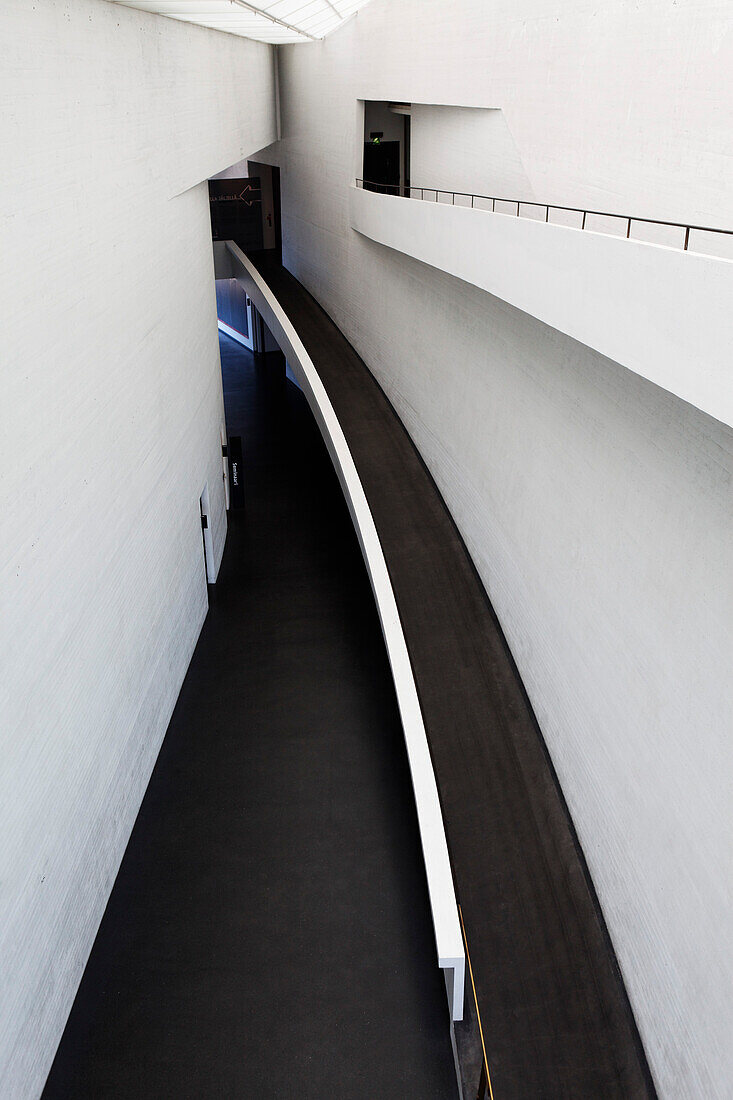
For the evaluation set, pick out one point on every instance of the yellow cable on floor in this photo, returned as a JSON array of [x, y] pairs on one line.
[[475, 1001]]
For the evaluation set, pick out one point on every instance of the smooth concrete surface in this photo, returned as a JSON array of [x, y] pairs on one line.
[[448, 936], [465, 149], [109, 433], [269, 931], [663, 313], [595, 505], [623, 108], [556, 1021]]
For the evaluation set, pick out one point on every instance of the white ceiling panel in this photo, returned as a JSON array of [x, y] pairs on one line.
[[278, 21]]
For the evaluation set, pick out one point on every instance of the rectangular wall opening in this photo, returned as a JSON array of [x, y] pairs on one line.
[[386, 159]]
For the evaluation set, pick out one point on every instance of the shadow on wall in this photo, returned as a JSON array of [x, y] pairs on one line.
[[466, 149]]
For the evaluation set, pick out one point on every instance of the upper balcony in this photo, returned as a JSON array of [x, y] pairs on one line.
[[660, 306]]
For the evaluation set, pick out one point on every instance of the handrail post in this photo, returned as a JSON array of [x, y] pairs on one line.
[[583, 222], [687, 237], [628, 230]]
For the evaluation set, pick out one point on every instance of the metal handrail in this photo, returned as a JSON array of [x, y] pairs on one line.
[[400, 189]]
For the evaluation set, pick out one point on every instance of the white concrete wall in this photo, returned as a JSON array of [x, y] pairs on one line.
[[109, 429], [237, 171], [663, 313], [466, 149], [596, 505], [621, 107]]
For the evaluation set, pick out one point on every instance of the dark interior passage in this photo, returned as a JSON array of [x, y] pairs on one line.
[[269, 932]]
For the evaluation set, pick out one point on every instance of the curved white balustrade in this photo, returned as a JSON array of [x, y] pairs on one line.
[[231, 261]]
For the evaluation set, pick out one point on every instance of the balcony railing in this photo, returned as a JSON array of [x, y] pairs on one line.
[[574, 217]]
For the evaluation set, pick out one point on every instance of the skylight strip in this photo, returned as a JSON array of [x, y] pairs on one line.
[[258, 31], [323, 19], [297, 13], [311, 12], [334, 9], [281, 22], [276, 21]]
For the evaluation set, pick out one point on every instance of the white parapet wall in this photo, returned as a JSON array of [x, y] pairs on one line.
[[661, 312], [110, 430], [448, 937]]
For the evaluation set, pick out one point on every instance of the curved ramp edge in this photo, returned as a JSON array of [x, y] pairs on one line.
[[441, 889]]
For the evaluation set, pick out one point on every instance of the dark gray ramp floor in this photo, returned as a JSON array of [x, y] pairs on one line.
[[556, 1019], [269, 934]]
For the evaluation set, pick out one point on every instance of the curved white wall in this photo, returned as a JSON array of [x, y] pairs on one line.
[[109, 429], [596, 505], [662, 312]]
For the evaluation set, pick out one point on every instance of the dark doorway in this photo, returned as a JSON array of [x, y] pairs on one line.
[[236, 211], [277, 214], [382, 166], [268, 176], [207, 535], [387, 147]]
